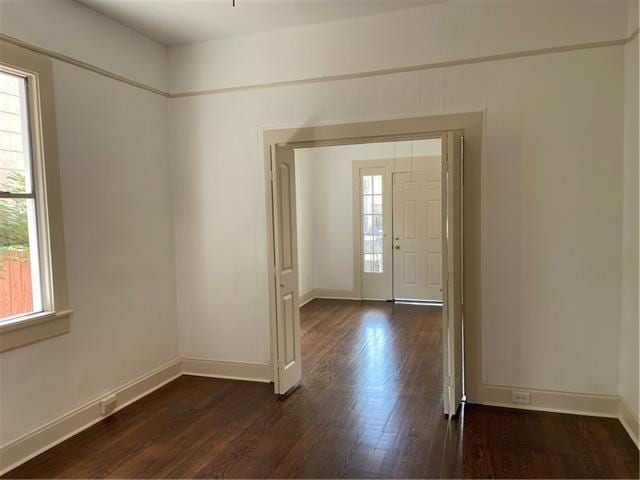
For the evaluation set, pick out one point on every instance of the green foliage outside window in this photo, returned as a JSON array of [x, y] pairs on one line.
[[14, 230]]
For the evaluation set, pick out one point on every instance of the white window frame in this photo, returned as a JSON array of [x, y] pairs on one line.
[[54, 317]]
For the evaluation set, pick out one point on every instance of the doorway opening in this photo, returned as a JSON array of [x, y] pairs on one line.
[[378, 249], [369, 221]]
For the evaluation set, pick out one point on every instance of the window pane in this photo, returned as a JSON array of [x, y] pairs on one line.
[[19, 269], [15, 157], [367, 204], [368, 244], [377, 184], [367, 188], [377, 204], [372, 223], [377, 224], [377, 263], [368, 263], [377, 244], [367, 224]]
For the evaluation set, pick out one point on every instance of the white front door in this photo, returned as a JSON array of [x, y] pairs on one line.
[[288, 354], [375, 221], [417, 235]]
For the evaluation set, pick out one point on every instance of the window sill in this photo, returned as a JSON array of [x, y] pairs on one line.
[[33, 328]]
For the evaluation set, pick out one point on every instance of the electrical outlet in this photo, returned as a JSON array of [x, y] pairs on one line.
[[107, 405], [520, 397]]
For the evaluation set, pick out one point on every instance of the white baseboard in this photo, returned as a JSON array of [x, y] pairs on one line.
[[253, 372], [306, 297], [630, 422], [334, 293], [591, 404], [34, 443], [552, 400]]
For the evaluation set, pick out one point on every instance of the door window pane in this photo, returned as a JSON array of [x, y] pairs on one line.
[[377, 184], [367, 187], [367, 224], [377, 263], [372, 223], [367, 204], [377, 204], [377, 244], [377, 224]]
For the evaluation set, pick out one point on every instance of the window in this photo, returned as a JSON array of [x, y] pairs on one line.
[[33, 288], [372, 223], [20, 287]]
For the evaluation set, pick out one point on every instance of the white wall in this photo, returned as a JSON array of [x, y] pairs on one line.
[[304, 220], [629, 307], [324, 194], [116, 196], [552, 163]]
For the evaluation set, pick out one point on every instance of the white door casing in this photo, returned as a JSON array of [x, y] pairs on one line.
[[288, 354], [452, 268], [417, 238]]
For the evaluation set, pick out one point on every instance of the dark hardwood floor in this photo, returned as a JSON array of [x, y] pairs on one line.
[[370, 405]]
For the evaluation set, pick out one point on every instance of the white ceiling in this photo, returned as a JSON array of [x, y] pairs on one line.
[[177, 22]]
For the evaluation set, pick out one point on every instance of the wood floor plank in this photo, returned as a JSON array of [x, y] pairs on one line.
[[370, 406]]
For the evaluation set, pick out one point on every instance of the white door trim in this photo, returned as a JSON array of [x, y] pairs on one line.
[[396, 130]]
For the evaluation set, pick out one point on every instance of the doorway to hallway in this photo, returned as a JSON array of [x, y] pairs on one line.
[[397, 207], [281, 161]]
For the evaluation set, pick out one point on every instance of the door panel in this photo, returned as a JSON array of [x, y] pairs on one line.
[[434, 219], [288, 308], [452, 265], [417, 235], [286, 232], [410, 261], [434, 267], [288, 353]]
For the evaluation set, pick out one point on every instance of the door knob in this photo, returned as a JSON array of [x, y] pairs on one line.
[[397, 247], [282, 285]]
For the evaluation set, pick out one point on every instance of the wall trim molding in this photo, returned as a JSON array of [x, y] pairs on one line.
[[81, 64], [557, 401], [306, 297], [319, 79], [47, 436], [252, 372], [334, 293], [591, 404], [630, 421], [410, 68]]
